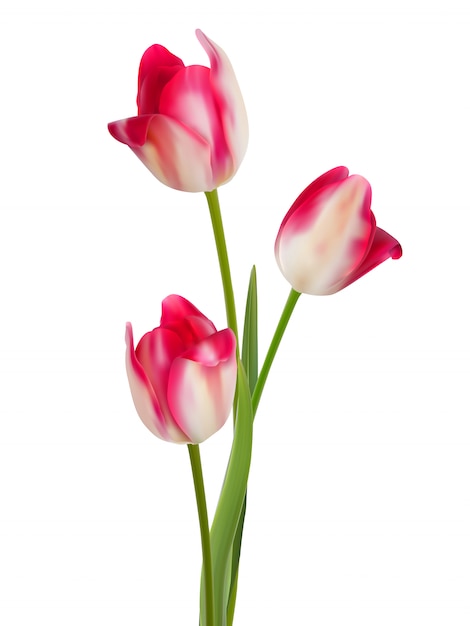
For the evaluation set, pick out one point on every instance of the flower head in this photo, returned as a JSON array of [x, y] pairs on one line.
[[182, 375], [191, 128], [329, 238]]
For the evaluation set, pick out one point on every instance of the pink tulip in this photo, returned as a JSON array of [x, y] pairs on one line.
[[191, 129], [329, 239], [182, 374]]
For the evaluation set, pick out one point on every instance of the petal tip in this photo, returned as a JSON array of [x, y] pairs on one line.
[[200, 35], [396, 252], [129, 338], [131, 131]]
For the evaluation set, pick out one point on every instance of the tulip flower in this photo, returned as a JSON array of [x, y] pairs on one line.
[[191, 128], [182, 375], [329, 238]]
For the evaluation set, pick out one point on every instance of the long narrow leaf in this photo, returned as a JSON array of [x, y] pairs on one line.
[[236, 551], [250, 332], [250, 363], [231, 500]]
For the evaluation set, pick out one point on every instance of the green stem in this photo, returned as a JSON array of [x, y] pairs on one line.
[[218, 228], [276, 340], [196, 467]]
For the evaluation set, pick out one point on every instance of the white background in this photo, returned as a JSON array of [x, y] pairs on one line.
[[359, 498]]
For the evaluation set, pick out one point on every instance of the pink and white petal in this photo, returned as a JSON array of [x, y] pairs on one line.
[[182, 317], [175, 154], [145, 400], [229, 99], [383, 247], [192, 330], [332, 176], [154, 57], [157, 66], [150, 91], [326, 239], [155, 352], [131, 131], [198, 329], [200, 394], [219, 347], [189, 98], [175, 308]]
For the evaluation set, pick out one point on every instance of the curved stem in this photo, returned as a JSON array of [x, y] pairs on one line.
[[218, 228], [196, 467], [276, 340]]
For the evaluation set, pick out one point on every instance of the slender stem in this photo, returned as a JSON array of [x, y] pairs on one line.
[[276, 340], [196, 467], [218, 228]]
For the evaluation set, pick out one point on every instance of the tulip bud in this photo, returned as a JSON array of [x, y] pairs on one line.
[[191, 128], [182, 375], [329, 238]]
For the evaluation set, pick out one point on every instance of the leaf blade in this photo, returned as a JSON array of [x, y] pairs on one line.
[[232, 497]]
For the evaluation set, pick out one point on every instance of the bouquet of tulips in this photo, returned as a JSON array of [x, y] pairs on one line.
[[185, 376]]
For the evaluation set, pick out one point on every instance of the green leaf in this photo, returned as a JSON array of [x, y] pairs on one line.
[[250, 333], [231, 500], [250, 362], [237, 547]]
